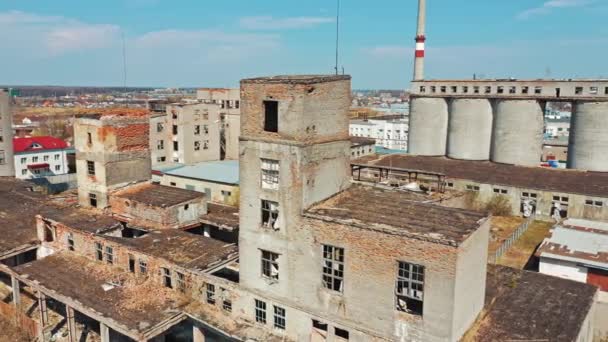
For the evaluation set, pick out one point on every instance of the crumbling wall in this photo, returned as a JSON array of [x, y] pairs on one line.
[[146, 216]]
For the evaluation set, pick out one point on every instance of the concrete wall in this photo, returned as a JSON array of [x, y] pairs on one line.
[[589, 137], [428, 127], [563, 269], [470, 129], [7, 167], [188, 118], [160, 130], [215, 189]]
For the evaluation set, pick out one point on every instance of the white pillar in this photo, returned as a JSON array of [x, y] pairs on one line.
[[104, 331], [197, 334], [16, 291], [69, 316]]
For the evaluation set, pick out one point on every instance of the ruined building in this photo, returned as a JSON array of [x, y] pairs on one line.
[[7, 163], [319, 257], [111, 151]]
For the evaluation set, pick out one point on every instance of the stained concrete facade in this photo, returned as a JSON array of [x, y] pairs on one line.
[[7, 163], [111, 151], [229, 101]]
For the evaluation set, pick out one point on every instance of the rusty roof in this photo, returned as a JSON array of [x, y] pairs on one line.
[[530, 306], [398, 212], [222, 216], [536, 178], [187, 250], [158, 195], [138, 305]]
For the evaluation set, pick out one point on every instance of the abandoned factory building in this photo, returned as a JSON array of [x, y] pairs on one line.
[[307, 255]]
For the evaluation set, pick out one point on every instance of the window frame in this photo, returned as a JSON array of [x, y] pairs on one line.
[[332, 276], [260, 311], [269, 259], [279, 317], [210, 294], [270, 171], [269, 217], [409, 282]]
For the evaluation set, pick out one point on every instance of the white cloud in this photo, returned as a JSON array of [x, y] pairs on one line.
[[550, 5], [81, 37], [18, 17], [271, 23]]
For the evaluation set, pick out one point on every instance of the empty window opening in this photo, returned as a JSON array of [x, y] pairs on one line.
[[593, 90], [319, 330], [594, 203], [528, 203], [488, 89], [512, 90], [70, 241], [410, 288], [606, 91], [89, 138], [443, 89], [559, 209], [143, 267], [454, 89], [538, 90], [49, 233], [270, 174], [98, 251], [271, 116], [500, 191], [109, 255], [578, 90], [167, 277], [197, 130], [433, 89], [558, 92], [260, 311], [333, 268], [174, 129], [500, 89], [465, 89], [471, 187], [343, 334], [270, 265], [131, 263], [422, 89], [476, 89], [210, 293], [279, 318], [525, 90], [90, 168], [197, 145], [270, 215], [175, 146], [93, 200], [180, 282]]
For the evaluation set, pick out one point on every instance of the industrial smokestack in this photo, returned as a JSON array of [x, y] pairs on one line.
[[420, 39]]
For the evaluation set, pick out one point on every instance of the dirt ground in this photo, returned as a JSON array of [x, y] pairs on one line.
[[521, 254], [10, 333]]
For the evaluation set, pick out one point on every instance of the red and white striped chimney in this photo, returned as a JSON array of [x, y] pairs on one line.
[[420, 39]]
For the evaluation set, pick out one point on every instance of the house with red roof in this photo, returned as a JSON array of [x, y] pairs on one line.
[[37, 157]]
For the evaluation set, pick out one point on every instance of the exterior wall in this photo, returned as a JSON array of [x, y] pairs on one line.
[[160, 130], [57, 160], [189, 116], [174, 217], [589, 137], [7, 167], [120, 151], [588, 328], [428, 126], [215, 189], [391, 134], [232, 133], [361, 151], [563, 269], [470, 129]]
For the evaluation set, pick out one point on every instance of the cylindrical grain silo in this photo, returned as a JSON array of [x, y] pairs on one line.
[[470, 129], [428, 126], [7, 163], [588, 148], [518, 132]]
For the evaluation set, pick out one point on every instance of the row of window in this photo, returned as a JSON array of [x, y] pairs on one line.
[[35, 159], [537, 90], [211, 298], [279, 317], [409, 288], [38, 171]]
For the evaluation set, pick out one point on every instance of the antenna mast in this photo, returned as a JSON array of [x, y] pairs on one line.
[[337, 36], [124, 62]]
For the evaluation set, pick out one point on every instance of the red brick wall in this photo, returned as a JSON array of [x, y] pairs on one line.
[[598, 278]]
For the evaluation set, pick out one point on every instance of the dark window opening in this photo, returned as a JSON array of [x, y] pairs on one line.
[[279, 318], [90, 168], [271, 116], [93, 200], [109, 255], [210, 293], [175, 146], [558, 92], [167, 277], [49, 236], [70, 242], [410, 288], [131, 263], [181, 282], [333, 268], [319, 325], [578, 90], [341, 333], [143, 267], [98, 251], [89, 138]]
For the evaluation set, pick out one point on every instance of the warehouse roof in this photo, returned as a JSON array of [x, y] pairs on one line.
[[538, 178], [225, 171], [158, 195]]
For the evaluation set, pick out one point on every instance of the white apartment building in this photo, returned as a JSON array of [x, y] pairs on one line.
[[389, 132], [37, 157]]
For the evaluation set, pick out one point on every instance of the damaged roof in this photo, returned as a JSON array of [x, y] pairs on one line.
[[187, 250], [398, 212], [138, 304], [221, 216], [553, 180], [158, 195], [530, 306]]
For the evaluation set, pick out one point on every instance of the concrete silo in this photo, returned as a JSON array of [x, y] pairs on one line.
[[7, 162], [588, 148], [428, 126], [518, 132], [470, 129]]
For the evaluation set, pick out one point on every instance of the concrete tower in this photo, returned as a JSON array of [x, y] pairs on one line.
[[7, 162], [420, 39]]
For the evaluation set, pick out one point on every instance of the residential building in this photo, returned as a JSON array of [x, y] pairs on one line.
[[557, 128], [390, 132], [37, 157], [229, 101], [219, 180], [111, 152], [7, 167], [361, 147]]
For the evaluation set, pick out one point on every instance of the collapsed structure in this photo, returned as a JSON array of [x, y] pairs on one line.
[[319, 258]]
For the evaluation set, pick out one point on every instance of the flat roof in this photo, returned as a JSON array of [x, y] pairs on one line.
[[534, 178], [158, 195], [577, 240], [222, 216], [224, 171], [399, 212], [361, 141], [297, 79], [187, 250], [138, 305], [530, 306]]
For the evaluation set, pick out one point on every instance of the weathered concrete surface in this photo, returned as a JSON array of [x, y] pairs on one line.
[[428, 126], [7, 162], [589, 137], [470, 129]]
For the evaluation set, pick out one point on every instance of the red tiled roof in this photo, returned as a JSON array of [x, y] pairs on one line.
[[46, 143]]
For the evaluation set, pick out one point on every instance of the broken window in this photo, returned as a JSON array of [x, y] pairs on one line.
[[593, 90], [319, 329], [279, 318], [174, 129], [205, 144], [271, 116], [270, 215], [99, 251], [500, 191], [270, 265], [270, 174], [49, 233], [90, 168], [227, 304], [512, 90], [578, 90], [525, 89], [206, 129], [197, 130], [594, 203], [70, 241], [109, 255], [443, 89], [454, 89], [422, 89], [93, 200], [410, 288], [131, 263], [500, 89], [333, 268], [143, 267], [476, 89], [160, 145], [210, 293], [89, 138], [175, 146], [538, 90], [180, 282], [174, 113], [237, 104], [528, 203], [450, 184], [433, 89], [197, 145], [343, 334], [559, 208], [488, 89], [471, 187], [260, 311], [159, 127], [166, 277]]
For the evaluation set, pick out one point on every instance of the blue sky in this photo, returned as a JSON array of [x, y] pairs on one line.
[[216, 43]]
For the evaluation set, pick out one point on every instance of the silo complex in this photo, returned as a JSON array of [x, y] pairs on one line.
[[470, 129], [428, 126], [588, 148]]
